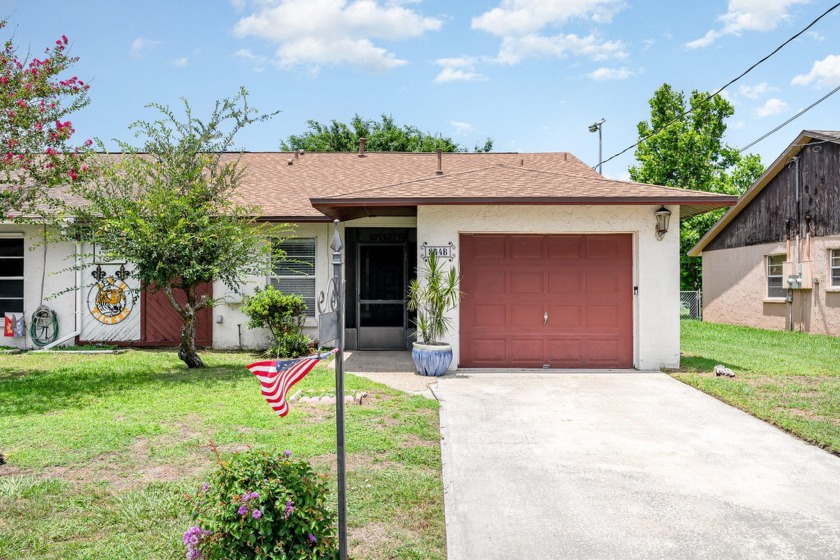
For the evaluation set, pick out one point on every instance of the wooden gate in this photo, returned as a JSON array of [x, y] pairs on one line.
[[161, 325]]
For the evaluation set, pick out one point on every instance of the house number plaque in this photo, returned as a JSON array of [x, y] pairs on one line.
[[440, 251]]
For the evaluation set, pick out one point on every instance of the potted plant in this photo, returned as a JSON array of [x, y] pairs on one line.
[[433, 295]]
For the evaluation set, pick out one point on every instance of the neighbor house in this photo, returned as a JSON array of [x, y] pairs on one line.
[[773, 260], [561, 267]]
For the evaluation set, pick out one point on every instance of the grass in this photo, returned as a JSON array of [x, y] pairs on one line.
[[789, 379], [102, 448]]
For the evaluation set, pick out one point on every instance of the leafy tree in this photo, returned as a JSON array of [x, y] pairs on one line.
[[36, 97], [682, 146], [172, 209], [381, 136]]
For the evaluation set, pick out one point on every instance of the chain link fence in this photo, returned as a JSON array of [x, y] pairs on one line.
[[691, 305]]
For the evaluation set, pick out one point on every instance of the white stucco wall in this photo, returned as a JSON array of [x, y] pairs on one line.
[[58, 256], [735, 287], [656, 328], [226, 332]]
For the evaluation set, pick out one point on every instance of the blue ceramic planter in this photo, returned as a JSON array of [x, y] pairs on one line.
[[431, 359]]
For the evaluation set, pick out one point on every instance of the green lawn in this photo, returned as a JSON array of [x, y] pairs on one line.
[[787, 378], [101, 448]]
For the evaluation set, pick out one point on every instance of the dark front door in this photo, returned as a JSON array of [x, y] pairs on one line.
[[381, 283]]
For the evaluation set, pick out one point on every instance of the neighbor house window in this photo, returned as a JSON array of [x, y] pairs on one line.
[[775, 276], [11, 276], [295, 274], [834, 268]]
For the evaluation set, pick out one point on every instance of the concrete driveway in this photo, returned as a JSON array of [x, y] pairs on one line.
[[625, 465]]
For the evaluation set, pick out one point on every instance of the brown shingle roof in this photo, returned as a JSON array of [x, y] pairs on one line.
[[331, 181]]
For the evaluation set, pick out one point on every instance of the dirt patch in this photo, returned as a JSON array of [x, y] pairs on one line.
[[367, 541]]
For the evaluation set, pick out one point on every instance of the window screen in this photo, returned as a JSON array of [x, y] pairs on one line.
[[295, 274], [775, 279], [835, 268], [11, 276]]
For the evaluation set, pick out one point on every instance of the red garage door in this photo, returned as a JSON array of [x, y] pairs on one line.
[[561, 301]]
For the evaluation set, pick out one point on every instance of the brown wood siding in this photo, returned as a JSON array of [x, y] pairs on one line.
[[767, 218], [161, 325]]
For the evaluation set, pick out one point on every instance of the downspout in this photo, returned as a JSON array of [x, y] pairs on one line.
[[795, 258]]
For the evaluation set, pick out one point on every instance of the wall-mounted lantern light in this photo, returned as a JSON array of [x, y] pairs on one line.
[[663, 218]]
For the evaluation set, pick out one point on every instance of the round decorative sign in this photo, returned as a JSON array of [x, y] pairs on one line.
[[110, 300]]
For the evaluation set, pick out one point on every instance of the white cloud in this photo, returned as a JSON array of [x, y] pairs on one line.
[[748, 15], [317, 32], [183, 61], [238, 5], [514, 49], [604, 73], [825, 72], [773, 106], [256, 61], [756, 91], [461, 128], [140, 45], [816, 35], [459, 69], [521, 25]]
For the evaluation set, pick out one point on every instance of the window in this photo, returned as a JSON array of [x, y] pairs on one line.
[[775, 277], [11, 276], [296, 273], [834, 268]]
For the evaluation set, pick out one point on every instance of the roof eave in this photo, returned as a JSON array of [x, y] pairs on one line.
[[772, 170]]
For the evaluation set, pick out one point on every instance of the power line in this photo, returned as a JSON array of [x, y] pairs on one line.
[[744, 73], [793, 118]]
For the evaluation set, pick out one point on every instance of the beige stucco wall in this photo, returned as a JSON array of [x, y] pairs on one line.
[[734, 288], [59, 256], [656, 328]]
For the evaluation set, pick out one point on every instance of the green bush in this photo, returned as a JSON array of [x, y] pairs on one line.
[[264, 506], [283, 315]]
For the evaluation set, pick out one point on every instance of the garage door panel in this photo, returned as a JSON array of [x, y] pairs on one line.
[[565, 247], [565, 350], [488, 316], [526, 247], [491, 350], [583, 282], [488, 246], [603, 318], [564, 282], [527, 350], [526, 282], [564, 317], [526, 316], [490, 282]]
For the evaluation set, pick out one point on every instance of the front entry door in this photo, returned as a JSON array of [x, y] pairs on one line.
[[381, 282]]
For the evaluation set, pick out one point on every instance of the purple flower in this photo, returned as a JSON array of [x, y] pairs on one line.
[[246, 496], [289, 509], [255, 496], [204, 487], [257, 514], [287, 453], [243, 509], [312, 538]]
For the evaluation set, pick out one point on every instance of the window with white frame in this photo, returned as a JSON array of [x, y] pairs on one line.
[[775, 276], [295, 274], [834, 268], [11, 275]]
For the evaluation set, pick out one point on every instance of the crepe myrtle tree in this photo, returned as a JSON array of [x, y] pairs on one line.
[[172, 209], [37, 96]]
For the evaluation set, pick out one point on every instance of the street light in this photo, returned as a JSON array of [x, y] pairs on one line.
[[596, 126]]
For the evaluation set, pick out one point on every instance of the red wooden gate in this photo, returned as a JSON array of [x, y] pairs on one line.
[[161, 325]]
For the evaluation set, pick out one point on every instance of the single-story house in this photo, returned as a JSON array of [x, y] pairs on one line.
[[773, 260], [561, 267]]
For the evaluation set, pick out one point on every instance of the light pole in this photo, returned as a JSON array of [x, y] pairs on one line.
[[596, 126]]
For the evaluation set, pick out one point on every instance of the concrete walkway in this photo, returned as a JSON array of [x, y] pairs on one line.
[[625, 465], [393, 368]]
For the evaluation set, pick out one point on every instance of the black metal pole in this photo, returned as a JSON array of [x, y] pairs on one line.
[[337, 261]]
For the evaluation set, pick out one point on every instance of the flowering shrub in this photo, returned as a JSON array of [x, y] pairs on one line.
[[262, 505]]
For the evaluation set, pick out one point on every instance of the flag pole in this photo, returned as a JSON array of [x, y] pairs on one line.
[[337, 246]]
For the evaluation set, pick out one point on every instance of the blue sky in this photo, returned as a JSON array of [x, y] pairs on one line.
[[531, 74]]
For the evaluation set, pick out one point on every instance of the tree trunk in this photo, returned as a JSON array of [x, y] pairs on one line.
[[186, 349]]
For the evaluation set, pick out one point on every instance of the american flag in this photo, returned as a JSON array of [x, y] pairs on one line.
[[278, 376]]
